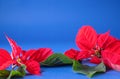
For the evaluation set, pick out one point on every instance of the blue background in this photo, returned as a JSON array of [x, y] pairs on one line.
[[54, 24]]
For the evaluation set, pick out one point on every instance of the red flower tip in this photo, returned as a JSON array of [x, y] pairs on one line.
[[83, 54], [45, 53], [33, 67], [95, 60], [72, 53], [16, 50]]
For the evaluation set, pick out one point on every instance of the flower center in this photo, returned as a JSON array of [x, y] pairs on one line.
[[19, 61], [97, 53]]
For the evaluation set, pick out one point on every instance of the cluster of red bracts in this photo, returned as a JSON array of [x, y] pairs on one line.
[[30, 58], [96, 47]]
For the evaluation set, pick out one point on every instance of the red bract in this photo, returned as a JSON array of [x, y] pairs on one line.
[[111, 56], [30, 58], [95, 60], [16, 50], [72, 53], [5, 59], [75, 54], [86, 38]]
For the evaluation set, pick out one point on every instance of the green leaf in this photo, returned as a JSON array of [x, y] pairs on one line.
[[4, 73], [88, 70], [20, 72], [57, 59], [22, 69], [8, 74]]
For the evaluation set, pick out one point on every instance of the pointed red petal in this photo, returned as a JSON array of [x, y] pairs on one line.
[[6, 64], [41, 54], [102, 39], [15, 48], [111, 55], [106, 57], [86, 38], [111, 59], [105, 39], [95, 60], [114, 47], [27, 54], [83, 55], [33, 67], [5, 59], [72, 53]]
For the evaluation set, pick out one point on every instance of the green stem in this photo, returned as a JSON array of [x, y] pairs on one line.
[[10, 75]]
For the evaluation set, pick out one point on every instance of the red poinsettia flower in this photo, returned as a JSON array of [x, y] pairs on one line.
[[88, 40], [97, 47], [30, 58], [92, 44]]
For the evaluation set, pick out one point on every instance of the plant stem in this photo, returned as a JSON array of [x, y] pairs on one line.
[[9, 75]]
